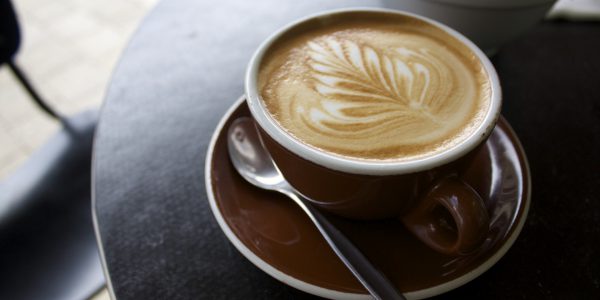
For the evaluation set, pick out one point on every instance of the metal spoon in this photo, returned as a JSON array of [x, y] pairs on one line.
[[255, 164]]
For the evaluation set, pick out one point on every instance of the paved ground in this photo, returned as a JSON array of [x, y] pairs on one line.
[[69, 49]]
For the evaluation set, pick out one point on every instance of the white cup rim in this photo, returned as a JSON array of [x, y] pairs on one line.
[[368, 167]]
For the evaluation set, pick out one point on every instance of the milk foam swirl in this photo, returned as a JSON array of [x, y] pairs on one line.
[[374, 91], [373, 94]]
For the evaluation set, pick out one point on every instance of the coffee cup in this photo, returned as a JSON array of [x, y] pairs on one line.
[[373, 114]]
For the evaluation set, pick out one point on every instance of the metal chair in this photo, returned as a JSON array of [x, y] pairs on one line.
[[48, 248]]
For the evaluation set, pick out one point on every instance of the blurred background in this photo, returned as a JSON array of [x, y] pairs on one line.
[[68, 50]]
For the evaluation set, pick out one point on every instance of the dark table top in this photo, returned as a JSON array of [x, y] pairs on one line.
[[184, 67]]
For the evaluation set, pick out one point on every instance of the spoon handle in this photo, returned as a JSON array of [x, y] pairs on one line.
[[370, 277]]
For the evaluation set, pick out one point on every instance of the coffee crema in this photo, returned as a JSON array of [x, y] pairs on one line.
[[374, 86]]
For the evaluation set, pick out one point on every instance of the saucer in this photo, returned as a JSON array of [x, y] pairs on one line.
[[275, 235]]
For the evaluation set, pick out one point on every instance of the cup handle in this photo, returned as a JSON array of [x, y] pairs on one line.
[[451, 218]]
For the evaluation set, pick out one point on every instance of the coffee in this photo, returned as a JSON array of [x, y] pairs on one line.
[[374, 86]]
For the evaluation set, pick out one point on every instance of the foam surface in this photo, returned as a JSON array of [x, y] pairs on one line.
[[389, 88]]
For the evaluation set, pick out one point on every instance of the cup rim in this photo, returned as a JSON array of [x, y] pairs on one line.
[[369, 167]]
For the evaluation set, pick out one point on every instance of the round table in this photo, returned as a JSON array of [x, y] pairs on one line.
[[184, 67]]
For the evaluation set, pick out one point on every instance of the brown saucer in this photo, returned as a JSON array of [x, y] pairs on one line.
[[275, 235]]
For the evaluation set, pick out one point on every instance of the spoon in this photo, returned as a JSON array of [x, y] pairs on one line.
[[255, 164]]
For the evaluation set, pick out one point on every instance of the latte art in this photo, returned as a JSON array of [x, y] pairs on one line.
[[374, 91], [362, 88]]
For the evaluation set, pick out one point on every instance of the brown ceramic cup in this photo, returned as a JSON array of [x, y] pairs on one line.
[[427, 194]]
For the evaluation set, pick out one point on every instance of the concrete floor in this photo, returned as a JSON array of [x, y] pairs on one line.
[[69, 49]]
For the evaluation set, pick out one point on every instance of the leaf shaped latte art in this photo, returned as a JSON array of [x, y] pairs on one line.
[[376, 93], [372, 91]]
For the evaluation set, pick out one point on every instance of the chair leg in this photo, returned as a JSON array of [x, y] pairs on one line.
[[31, 91]]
